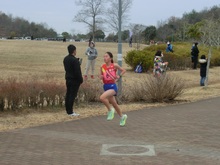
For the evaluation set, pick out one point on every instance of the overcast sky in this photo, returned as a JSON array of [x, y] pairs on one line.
[[59, 14]]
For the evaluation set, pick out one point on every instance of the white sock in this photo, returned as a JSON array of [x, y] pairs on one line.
[[112, 109]]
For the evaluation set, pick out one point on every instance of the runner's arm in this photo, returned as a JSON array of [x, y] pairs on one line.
[[122, 70]]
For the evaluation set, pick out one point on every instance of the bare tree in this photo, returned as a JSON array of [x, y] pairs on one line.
[[137, 31], [163, 30], [112, 16], [90, 14], [183, 30]]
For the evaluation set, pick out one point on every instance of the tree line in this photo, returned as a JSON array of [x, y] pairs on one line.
[[97, 14], [101, 16], [200, 26], [11, 27]]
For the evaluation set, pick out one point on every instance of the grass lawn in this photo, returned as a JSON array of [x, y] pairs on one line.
[[43, 60]]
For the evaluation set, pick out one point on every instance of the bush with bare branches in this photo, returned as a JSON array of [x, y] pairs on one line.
[[151, 89], [164, 88], [16, 94], [89, 91]]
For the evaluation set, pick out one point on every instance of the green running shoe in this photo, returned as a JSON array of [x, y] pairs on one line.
[[111, 114], [123, 120]]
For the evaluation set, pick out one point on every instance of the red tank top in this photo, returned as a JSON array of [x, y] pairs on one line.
[[109, 74]]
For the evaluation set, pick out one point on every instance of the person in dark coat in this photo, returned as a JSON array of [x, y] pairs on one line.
[[203, 68], [195, 54], [74, 79]]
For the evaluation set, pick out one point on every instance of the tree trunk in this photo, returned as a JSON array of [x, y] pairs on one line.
[[93, 29], [208, 65]]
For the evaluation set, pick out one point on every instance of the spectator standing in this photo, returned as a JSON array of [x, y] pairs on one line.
[[195, 54], [191, 53], [92, 54], [130, 42], [203, 68], [73, 76]]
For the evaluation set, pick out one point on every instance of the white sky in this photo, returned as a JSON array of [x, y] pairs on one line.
[[59, 14]]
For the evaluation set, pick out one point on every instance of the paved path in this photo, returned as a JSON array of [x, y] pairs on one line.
[[186, 134]]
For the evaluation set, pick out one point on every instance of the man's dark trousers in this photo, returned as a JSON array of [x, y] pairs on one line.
[[72, 90], [195, 62]]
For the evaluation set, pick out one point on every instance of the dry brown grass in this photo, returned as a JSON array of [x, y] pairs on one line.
[[42, 60], [45, 58]]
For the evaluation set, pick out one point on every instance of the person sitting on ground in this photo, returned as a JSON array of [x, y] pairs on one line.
[[169, 47], [159, 64]]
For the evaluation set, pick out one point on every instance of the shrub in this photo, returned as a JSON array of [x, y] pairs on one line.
[[13, 91], [35, 93], [134, 92], [164, 89], [16, 94], [134, 57], [150, 89], [179, 60], [215, 61], [90, 91]]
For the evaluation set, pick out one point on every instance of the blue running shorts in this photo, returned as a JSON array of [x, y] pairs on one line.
[[110, 86]]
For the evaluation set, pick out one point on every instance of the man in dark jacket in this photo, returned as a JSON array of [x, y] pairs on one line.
[[195, 54], [73, 78]]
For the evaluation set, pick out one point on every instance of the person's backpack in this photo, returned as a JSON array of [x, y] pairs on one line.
[[138, 68]]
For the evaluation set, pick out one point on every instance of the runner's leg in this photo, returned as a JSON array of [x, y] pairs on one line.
[[105, 98], [113, 101]]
